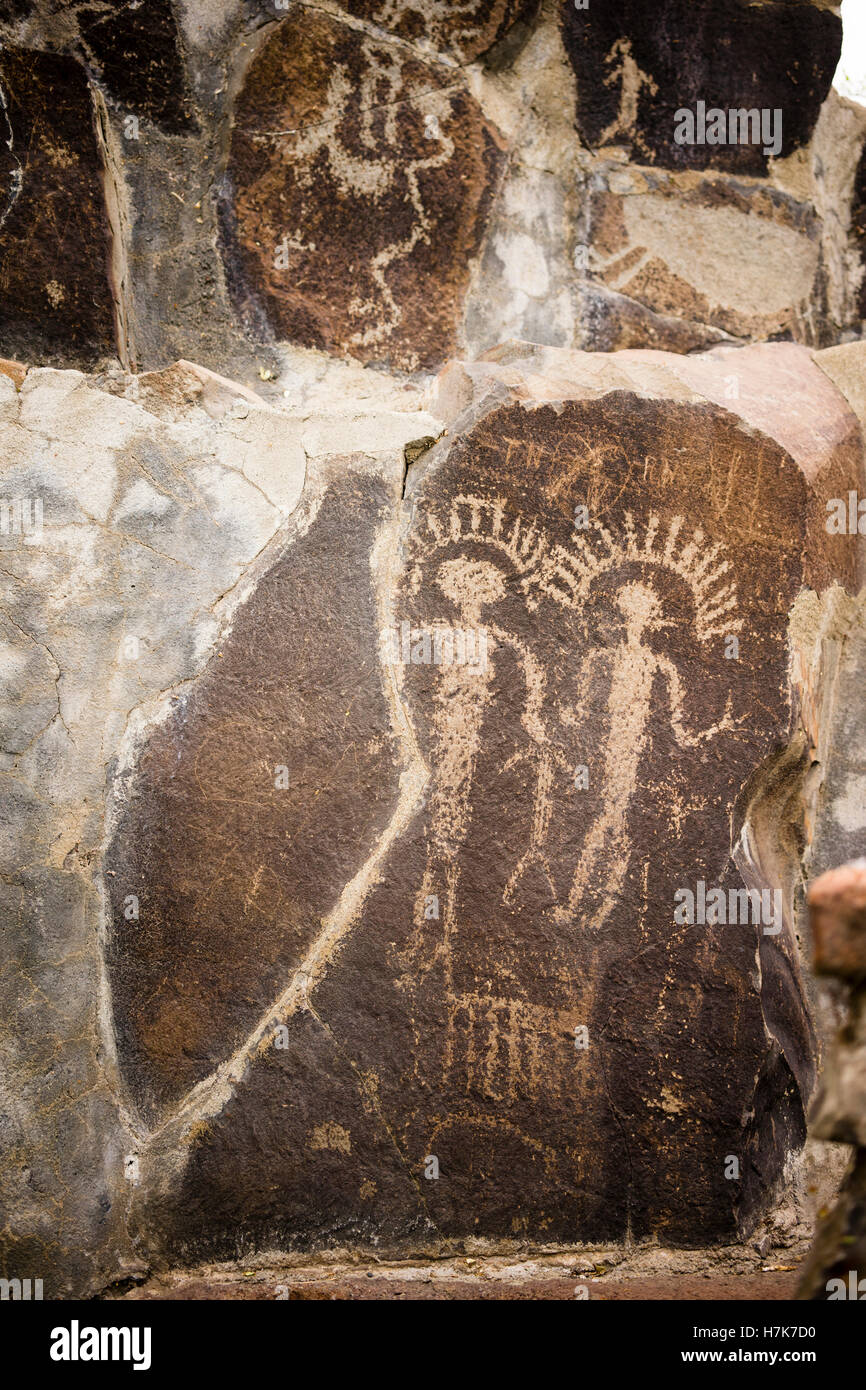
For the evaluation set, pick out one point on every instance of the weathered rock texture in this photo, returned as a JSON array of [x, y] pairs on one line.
[[356, 912], [158, 493], [464, 31], [633, 225], [103, 610], [396, 183], [366, 735], [361, 910], [360, 179], [54, 230], [637, 65]]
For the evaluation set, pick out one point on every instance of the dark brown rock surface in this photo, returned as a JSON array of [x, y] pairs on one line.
[[359, 180], [278, 769], [637, 64], [135, 52], [54, 235], [476, 1007], [465, 30], [131, 48]]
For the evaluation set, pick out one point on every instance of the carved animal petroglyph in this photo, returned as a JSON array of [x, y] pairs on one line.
[[358, 173]]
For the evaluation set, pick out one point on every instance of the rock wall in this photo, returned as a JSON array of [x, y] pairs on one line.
[[432, 623], [403, 182]]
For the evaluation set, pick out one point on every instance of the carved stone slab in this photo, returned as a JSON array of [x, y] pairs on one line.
[[359, 180], [510, 953], [638, 65]]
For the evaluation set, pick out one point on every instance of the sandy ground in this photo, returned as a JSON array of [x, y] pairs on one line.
[[653, 1274]]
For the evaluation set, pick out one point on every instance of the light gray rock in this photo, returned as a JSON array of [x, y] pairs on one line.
[[160, 498]]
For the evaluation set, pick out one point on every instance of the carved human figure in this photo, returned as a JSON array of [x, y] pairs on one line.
[[492, 1031], [636, 667]]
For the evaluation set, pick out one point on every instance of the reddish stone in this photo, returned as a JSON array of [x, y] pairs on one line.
[[360, 180], [837, 912], [16, 371]]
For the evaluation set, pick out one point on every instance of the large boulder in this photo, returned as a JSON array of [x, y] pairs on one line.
[[462, 906]]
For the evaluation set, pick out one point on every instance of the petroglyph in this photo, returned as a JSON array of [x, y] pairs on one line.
[[466, 28], [489, 1033], [359, 179], [621, 68], [530, 1004], [411, 772], [632, 78]]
